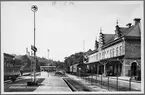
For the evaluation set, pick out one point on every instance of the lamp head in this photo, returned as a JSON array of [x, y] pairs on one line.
[[34, 8]]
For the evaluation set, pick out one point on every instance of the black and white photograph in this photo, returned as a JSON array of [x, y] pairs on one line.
[[72, 47]]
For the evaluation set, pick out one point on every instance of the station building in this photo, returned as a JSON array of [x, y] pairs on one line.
[[118, 54]]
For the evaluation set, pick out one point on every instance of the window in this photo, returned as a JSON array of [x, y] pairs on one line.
[[11, 65], [120, 50], [99, 55], [116, 51], [104, 54], [113, 52], [91, 58], [107, 53], [95, 57], [7, 64], [110, 52]]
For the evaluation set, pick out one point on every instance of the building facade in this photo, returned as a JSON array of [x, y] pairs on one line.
[[11, 66], [118, 54]]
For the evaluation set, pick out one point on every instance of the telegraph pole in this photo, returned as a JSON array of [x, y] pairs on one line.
[[48, 53]]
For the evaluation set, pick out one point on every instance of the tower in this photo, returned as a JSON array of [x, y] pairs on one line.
[[101, 39], [117, 31], [96, 44]]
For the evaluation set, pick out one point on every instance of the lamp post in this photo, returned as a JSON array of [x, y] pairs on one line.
[[34, 8]]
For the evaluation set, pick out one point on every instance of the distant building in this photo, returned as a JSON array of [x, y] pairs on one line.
[[119, 53], [11, 67], [48, 68], [8, 60]]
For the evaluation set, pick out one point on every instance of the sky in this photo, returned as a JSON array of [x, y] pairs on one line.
[[62, 26]]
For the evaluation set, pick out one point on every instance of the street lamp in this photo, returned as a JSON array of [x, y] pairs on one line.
[[34, 8]]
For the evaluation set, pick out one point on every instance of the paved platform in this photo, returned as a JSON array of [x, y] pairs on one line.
[[52, 84], [112, 80]]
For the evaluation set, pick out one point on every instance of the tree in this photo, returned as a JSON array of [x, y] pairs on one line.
[[76, 58]]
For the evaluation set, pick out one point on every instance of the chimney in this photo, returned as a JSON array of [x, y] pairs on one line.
[[129, 25], [137, 20]]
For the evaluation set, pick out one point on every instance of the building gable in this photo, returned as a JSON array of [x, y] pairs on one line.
[[135, 32]]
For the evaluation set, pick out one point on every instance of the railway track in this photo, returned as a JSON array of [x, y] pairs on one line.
[[76, 86]]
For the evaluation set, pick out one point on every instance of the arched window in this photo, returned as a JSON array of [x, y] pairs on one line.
[[99, 55], [110, 52], [104, 54], [116, 51], [120, 49], [113, 52]]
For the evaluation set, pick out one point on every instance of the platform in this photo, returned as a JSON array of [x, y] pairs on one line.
[[52, 84]]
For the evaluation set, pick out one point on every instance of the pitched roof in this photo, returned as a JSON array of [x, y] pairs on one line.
[[125, 32], [134, 31], [88, 52], [93, 51], [8, 55], [108, 37]]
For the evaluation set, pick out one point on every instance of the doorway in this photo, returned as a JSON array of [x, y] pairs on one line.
[[134, 69]]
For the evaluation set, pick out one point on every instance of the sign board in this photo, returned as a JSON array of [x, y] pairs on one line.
[[33, 48]]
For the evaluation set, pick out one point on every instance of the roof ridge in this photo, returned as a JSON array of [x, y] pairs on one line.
[[124, 33]]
